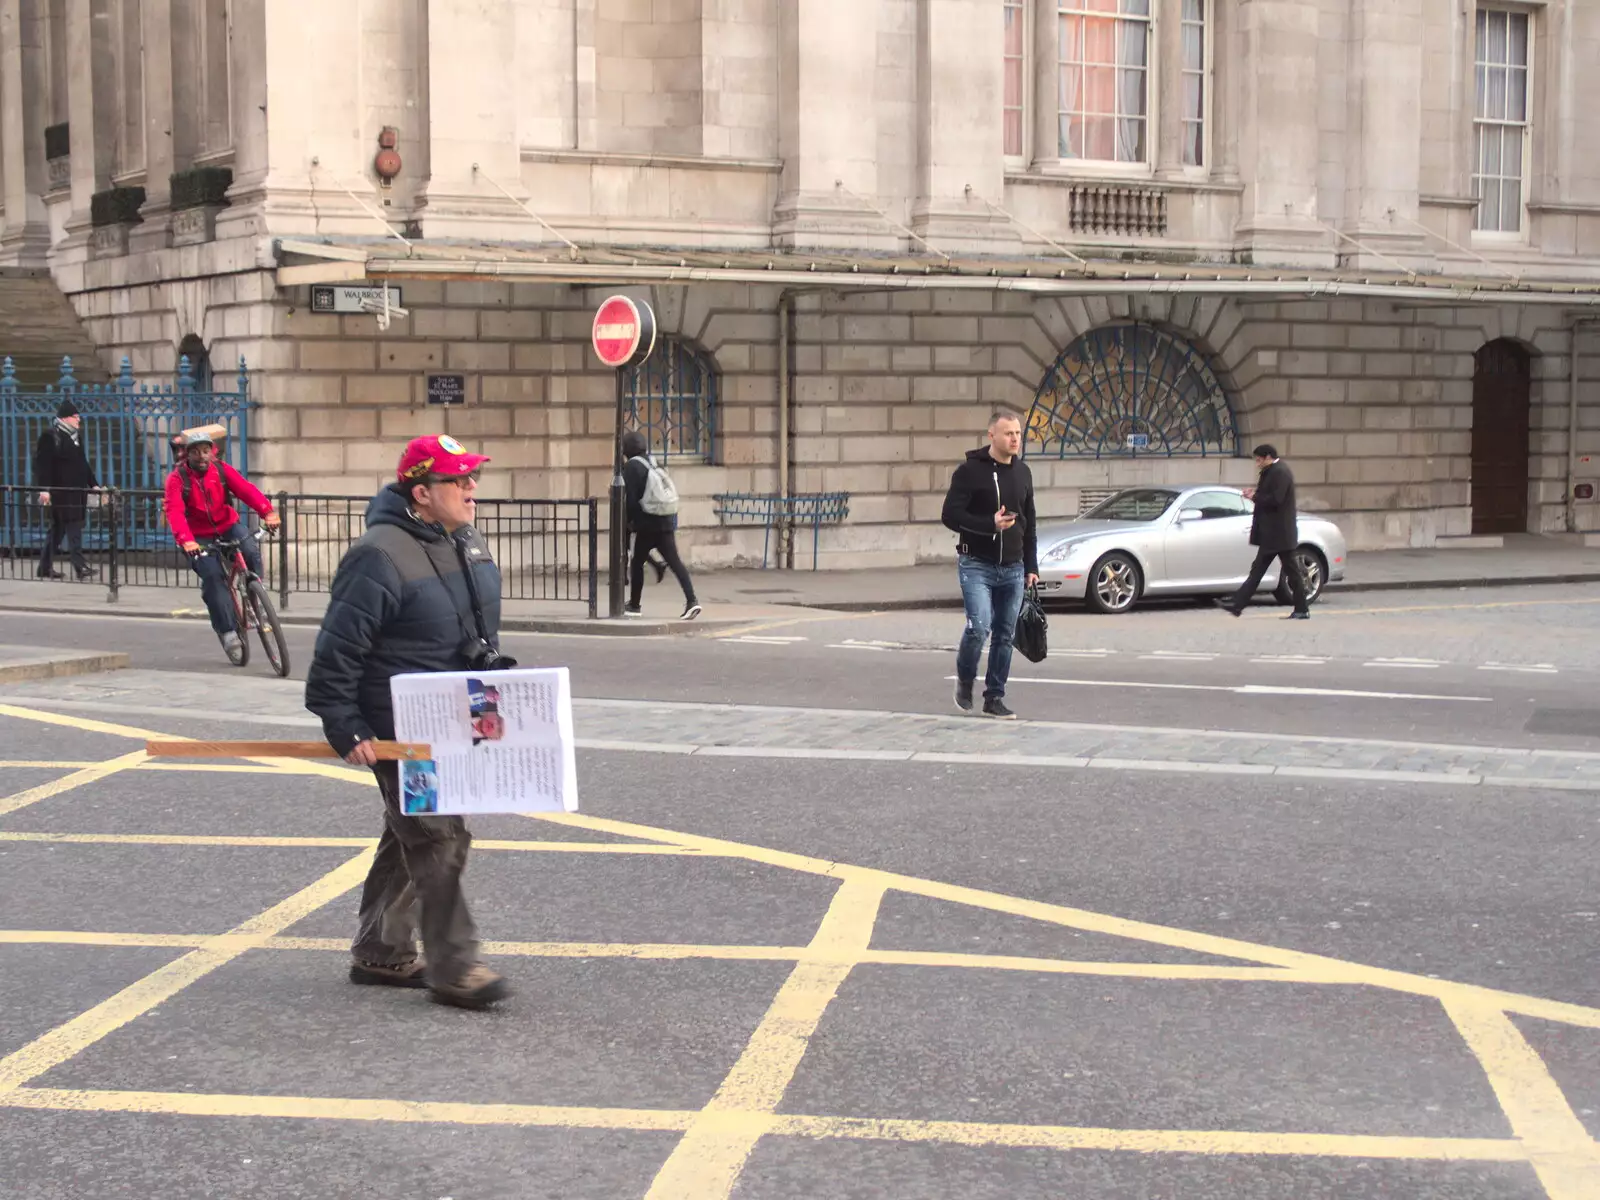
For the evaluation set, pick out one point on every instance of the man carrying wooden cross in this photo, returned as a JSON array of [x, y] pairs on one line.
[[418, 592]]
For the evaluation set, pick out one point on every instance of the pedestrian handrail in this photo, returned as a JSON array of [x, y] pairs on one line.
[[770, 509], [546, 549]]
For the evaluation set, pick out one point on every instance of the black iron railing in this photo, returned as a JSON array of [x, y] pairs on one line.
[[546, 549]]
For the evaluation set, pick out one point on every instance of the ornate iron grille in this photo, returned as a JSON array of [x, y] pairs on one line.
[[1128, 391], [672, 400]]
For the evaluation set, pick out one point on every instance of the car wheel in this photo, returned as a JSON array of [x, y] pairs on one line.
[[1114, 584], [1313, 569]]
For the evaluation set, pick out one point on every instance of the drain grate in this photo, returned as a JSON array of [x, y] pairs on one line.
[[1574, 722]]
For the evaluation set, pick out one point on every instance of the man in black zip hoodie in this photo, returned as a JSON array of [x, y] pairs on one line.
[[418, 592], [990, 508]]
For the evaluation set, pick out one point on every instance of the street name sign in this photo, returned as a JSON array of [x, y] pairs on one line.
[[349, 298]]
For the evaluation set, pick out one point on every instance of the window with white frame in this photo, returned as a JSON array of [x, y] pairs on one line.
[[1500, 126], [1103, 60], [1193, 27], [1016, 76]]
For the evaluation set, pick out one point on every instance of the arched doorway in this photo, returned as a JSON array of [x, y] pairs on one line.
[[1502, 387], [199, 358]]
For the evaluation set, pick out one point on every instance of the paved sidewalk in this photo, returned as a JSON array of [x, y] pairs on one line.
[[736, 597]]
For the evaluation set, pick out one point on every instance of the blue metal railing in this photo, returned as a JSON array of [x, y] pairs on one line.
[[808, 508], [127, 426]]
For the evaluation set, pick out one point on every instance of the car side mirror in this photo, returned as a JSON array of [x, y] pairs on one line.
[[1191, 514]]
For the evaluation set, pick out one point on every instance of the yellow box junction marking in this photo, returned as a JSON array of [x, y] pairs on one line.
[[718, 1140], [1563, 1155], [707, 1162], [64, 1041]]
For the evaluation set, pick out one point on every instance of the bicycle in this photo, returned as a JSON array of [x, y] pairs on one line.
[[252, 607]]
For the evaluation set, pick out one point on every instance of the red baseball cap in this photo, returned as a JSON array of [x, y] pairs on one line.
[[438, 455]]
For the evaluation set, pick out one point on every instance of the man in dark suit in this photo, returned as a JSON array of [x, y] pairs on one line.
[[1274, 532], [62, 473]]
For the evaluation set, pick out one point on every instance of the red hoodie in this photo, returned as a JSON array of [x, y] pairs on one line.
[[198, 505]]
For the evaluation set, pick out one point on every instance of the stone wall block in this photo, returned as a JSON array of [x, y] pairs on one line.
[[880, 449], [1318, 336], [515, 324], [952, 330], [856, 418], [460, 324], [1372, 444], [1386, 418], [1316, 445], [324, 390], [478, 356], [816, 449], [848, 357], [405, 423], [935, 388]]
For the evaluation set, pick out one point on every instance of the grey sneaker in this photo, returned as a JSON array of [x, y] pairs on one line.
[[232, 646], [478, 988], [964, 695], [997, 709]]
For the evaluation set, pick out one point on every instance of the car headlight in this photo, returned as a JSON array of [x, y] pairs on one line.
[[1061, 551]]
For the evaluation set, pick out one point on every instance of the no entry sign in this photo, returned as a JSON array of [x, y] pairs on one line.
[[624, 332]]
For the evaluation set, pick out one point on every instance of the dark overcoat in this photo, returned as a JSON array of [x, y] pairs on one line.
[[1275, 525]]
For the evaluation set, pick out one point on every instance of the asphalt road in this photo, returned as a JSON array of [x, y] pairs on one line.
[[1035, 981]]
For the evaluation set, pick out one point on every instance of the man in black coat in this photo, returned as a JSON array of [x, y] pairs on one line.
[[1274, 532], [990, 509], [418, 592], [64, 477]]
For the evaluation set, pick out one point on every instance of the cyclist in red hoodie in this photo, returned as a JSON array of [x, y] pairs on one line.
[[200, 509]]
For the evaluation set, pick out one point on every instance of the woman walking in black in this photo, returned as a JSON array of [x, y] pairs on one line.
[[651, 530]]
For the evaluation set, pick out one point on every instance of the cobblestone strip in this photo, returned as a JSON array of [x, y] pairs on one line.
[[821, 733], [712, 729]]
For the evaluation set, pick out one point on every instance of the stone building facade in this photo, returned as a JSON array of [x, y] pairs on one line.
[[1160, 230]]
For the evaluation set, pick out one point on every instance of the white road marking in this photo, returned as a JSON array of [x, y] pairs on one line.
[[1292, 660], [1525, 668], [767, 641], [1250, 689], [1409, 664], [1179, 655]]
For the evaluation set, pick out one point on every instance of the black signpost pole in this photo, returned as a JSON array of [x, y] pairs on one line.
[[619, 509]]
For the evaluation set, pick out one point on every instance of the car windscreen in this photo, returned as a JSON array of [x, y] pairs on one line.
[[1136, 504]]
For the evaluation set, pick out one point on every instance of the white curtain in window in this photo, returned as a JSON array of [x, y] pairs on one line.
[[1103, 60]]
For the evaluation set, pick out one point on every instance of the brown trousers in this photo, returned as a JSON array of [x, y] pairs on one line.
[[419, 865]]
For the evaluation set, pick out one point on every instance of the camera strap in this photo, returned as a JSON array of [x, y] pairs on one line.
[[479, 629]]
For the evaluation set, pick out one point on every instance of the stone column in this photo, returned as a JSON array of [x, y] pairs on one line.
[[1278, 134], [828, 129], [158, 128], [1384, 147], [91, 108], [472, 122], [298, 121], [960, 127], [26, 238]]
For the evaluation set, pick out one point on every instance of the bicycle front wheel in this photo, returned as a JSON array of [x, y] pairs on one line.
[[266, 622]]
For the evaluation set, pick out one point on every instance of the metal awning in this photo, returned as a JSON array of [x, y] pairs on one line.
[[358, 260]]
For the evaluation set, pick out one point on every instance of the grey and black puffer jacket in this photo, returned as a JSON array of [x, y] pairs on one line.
[[399, 603]]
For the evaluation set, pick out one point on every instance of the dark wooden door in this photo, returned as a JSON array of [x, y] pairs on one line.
[[1501, 388]]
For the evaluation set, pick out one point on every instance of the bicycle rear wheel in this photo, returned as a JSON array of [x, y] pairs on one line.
[[241, 621], [269, 629]]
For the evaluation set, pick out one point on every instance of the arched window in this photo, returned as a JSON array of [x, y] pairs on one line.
[[1130, 390], [672, 400]]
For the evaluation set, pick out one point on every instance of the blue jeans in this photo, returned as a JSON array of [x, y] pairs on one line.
[[992, 596], [213, 571]]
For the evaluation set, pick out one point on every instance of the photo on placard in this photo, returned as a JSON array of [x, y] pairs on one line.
[[489, 727], [419, 787]]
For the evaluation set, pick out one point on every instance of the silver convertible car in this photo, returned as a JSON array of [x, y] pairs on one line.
[[1171, 541]]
